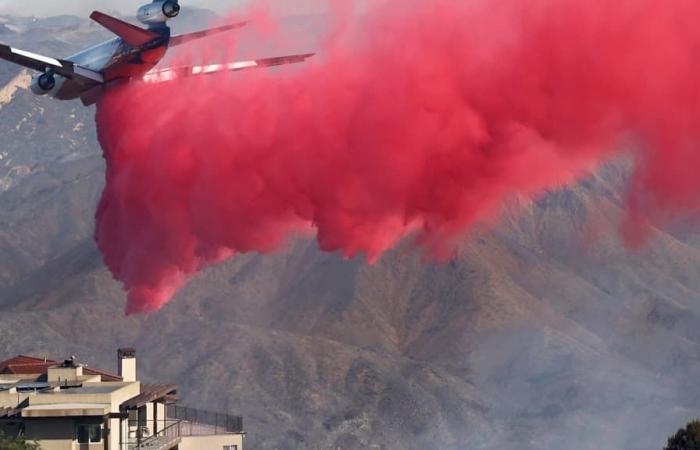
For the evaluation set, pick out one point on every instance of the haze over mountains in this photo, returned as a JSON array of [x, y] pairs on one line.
[[543, 333]]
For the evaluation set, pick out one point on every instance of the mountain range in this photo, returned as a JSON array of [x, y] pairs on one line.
[[543, 332]]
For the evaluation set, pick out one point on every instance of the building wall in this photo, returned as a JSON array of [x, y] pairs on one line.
[[12, 399], [52, 434], [121, 393], [63, 373], [10, 427], [150, 425], [113, 438], [211, 442], [162, 423], [77, 446]]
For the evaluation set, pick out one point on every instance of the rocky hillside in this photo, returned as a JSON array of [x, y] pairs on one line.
[[543, 333]]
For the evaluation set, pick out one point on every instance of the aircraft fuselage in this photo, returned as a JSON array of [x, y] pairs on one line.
[[115, 59], [132, 55]]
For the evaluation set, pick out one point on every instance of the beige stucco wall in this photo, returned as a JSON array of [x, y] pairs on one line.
[[113, 438], [63, 373], [122, 392], [11, 399], [149, 420], [128, 391], [77, 446], [127, 369], [211, 442], [161, 416]]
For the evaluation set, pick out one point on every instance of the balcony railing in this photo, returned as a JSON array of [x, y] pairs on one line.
[[195, 422], [179, 422], [164, 439]]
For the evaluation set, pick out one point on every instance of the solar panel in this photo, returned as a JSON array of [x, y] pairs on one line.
[[32, 386]]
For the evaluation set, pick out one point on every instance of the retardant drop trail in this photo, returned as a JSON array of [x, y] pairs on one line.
[[419, 117]]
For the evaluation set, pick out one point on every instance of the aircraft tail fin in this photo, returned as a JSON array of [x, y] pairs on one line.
[[132, 35], [184, 38]]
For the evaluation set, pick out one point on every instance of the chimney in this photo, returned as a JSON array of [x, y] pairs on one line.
[[127, 363]]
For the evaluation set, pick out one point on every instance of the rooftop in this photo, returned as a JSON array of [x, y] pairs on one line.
[[102, 388], [29, 365], [150, 393]]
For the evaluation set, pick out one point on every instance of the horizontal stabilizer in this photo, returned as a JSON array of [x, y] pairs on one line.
[[184, 38], [163, 75], [131, 34], [42, 63]]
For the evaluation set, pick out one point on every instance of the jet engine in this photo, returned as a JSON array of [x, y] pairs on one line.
[[159, 11], [43, 83]]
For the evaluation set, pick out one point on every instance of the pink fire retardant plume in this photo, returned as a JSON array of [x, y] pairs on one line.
[[418, 117]]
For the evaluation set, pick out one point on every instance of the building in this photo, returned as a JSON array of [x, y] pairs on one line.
[[70, 406]]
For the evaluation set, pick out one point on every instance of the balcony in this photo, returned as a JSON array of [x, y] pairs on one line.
[[195, 422], [180, 422]]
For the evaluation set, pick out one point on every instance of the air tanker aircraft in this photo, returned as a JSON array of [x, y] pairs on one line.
[[132, 55]]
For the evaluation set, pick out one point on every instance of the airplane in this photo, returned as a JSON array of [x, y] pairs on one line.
[[132, 55]]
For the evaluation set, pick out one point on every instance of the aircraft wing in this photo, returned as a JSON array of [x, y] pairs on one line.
[[44, 63], [184, 38], [163, 75]]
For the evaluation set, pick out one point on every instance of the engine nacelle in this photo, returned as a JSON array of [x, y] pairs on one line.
[[46, 83], [158, 12]]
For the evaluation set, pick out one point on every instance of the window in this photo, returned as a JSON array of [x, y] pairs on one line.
[[230, 447], [89, 433]]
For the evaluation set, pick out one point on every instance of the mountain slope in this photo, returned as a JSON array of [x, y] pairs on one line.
[[544, 332]]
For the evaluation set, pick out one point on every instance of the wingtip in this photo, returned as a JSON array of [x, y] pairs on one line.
[[232, 26], [305, 56]]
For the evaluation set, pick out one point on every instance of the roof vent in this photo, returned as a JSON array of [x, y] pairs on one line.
[[69, 362]]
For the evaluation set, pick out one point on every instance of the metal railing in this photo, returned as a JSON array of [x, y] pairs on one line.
[[179, 421], [195, 422], [138, 432], [166, 436]]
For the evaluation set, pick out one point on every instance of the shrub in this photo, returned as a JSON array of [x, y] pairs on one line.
[[11, 443]]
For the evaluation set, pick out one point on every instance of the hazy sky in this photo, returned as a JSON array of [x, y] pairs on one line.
[[84, 7]]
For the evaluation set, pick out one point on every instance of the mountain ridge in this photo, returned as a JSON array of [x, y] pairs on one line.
[[543, 332]]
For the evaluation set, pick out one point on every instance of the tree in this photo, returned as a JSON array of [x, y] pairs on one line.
[[10, 443], [687, 438]]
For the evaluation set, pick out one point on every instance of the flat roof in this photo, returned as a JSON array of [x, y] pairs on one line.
[[66, 410], [101, 388]]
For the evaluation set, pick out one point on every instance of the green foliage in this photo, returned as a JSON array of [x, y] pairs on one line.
[[10, 443], [687, 438]]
